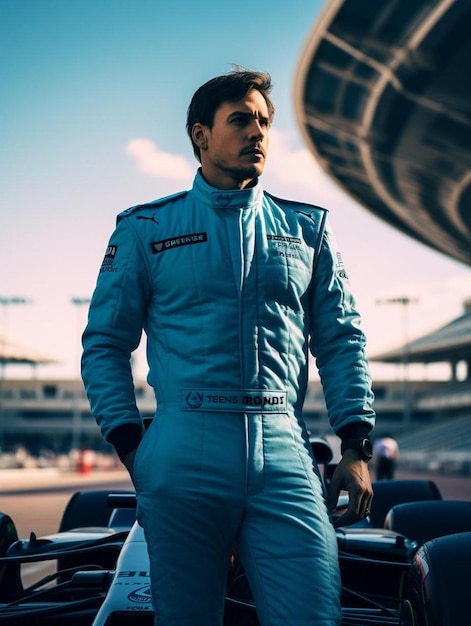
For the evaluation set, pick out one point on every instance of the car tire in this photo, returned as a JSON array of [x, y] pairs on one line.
[[437, 589], [10, 573], [423, 521]]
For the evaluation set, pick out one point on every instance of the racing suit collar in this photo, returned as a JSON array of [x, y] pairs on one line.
[[227, 198]]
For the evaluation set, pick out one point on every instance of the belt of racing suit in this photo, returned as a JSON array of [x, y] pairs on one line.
[[234, 401]]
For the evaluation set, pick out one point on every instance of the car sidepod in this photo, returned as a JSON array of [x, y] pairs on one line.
[[128, 600]]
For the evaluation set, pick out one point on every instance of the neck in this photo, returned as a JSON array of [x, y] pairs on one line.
[[228, 183]]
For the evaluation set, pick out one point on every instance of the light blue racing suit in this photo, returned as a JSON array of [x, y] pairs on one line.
[[232, 289]]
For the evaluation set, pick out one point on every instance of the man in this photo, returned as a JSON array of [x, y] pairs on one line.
[[231, 286], [386, 455]]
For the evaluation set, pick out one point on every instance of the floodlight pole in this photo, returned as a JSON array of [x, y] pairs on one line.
[[4, 303], [77, 413], [404, 301]]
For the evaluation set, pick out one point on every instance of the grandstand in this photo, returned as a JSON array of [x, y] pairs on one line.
[[442, 448], [452, 436]]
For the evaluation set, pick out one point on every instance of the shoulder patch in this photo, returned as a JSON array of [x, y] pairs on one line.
[[155, 204]]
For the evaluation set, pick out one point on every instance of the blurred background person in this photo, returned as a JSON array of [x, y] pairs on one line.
[[386, 455]]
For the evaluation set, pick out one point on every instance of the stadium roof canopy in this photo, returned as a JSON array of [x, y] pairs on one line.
[[383, 100], [450, 343], [13, 353]]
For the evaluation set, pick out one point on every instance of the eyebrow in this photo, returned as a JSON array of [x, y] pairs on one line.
[[247, 114]]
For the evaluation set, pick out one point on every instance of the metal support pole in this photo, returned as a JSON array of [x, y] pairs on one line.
[[77, 384], [4, 303], [406, 389]]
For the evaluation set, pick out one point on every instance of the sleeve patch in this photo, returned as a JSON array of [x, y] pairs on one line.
[[340, 266], [108, 261]]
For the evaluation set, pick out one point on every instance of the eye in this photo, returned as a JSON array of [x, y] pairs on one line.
[[241, 120]]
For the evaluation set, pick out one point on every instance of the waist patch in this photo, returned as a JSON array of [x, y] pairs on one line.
[[237, 401]]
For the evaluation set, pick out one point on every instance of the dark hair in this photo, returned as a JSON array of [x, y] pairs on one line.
[[226, 88]]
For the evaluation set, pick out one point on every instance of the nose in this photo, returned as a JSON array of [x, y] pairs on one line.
[[256, 130]]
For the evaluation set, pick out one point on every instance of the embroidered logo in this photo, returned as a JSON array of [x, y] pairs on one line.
[[177, 242], [223, 199], [145, 217], [194, 399], [311, 215]]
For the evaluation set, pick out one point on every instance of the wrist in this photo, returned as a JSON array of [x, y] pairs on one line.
[[125, 438], [362, 446]]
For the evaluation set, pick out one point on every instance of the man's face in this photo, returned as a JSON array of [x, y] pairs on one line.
[[234, 150]]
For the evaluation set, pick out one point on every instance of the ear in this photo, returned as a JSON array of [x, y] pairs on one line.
[[199, 135]]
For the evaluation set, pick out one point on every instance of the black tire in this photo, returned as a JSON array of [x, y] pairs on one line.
[[437, 589], [86, 509], [423, 521], [389, 493], [10, 573]]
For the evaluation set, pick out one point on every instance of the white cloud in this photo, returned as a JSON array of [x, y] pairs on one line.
[[293, 172], [158, 164], [289, 164]]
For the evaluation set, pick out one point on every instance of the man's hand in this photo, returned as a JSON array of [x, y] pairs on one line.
[[128, 462], [351, 475]]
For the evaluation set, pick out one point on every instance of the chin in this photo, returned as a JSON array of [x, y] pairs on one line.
[[257, 170]]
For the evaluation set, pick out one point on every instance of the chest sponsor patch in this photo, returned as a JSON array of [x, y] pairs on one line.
[[177, 242], [286, 246], [109, 258], [283, 239]]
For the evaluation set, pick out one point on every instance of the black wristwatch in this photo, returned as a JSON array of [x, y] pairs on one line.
[[362, 446]]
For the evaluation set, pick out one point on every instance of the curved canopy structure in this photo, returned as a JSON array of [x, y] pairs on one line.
[[13, 353], [449, 343], [383, 100]]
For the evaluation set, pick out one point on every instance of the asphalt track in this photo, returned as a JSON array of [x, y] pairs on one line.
[[35, 499]]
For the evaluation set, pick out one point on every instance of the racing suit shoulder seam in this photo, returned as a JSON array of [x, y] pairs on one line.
[[295, 203], [154, 204]]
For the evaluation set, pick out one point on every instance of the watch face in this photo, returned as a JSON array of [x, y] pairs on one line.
[[366, 448], [363, 446]]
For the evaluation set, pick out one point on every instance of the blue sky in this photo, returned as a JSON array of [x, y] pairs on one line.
[[92, 120]]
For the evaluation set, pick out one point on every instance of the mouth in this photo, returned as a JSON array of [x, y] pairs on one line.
[[254, 151]]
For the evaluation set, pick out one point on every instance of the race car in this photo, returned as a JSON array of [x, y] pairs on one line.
[[406, 565]]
